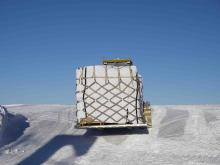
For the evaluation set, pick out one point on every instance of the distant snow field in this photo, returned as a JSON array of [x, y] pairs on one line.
[[45, 134]]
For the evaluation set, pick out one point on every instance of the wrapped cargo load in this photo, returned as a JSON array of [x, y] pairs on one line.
[[109, 94]]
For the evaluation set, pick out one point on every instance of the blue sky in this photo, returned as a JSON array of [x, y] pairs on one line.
[[175, 44]]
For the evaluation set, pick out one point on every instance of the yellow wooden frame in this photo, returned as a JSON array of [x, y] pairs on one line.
[[113, 61]]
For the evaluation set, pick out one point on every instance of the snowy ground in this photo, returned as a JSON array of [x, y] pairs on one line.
[[3, 120], [45, 134]]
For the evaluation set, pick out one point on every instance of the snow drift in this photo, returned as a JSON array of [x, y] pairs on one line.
[[3, 120]]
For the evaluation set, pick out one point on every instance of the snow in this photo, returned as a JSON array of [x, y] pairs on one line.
[[3, 120], [45, 134]]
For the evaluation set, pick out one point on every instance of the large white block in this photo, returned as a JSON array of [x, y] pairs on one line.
[[109, 94]]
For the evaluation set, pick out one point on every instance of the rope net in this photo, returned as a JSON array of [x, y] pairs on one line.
[[109, 95]]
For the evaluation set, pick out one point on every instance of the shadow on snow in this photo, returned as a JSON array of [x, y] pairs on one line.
[[80, 143], [16, 125]]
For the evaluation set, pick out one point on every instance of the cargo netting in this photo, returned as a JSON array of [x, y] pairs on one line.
[[109, 99]]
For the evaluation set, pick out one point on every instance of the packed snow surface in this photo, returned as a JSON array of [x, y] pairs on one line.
[[45, 134]]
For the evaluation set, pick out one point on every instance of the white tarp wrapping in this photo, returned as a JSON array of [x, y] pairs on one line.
[[109, 94]]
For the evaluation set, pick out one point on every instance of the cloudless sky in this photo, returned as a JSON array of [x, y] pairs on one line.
[[175, 45]]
